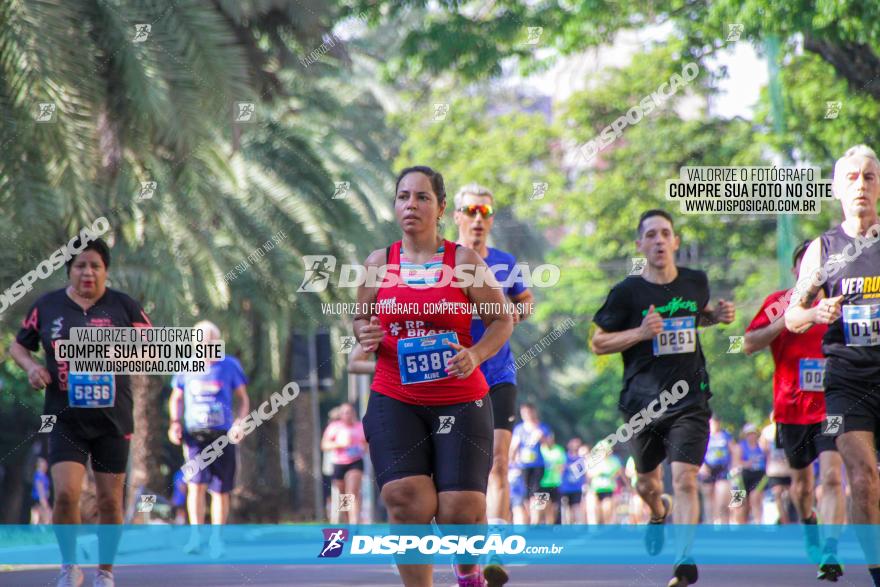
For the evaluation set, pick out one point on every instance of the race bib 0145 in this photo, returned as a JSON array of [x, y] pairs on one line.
[[861, 325]]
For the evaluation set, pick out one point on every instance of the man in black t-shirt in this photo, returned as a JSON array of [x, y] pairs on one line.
[[652, 320], [86, 427], [841, 269]]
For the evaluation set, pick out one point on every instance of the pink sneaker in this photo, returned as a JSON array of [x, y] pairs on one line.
[[474, 579]]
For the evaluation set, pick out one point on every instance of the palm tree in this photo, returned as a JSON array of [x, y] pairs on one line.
[[160, 109]]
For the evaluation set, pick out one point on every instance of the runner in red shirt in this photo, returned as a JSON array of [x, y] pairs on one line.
[[429, 420], [799, 410]]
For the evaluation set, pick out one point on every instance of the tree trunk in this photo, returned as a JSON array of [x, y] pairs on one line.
[[259, 495], [303, 459], [147, 443], [12, 489]]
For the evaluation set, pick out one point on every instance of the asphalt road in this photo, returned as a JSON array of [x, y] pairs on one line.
[[357, 575]]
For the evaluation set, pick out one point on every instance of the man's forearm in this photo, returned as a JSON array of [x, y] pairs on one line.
[[799, 319], [760, 338], [606, 343]]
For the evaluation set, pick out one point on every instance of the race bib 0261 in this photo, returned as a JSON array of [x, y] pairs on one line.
[[861, 325], [679, 335], [91, 390], [811, 374], [424, 358]]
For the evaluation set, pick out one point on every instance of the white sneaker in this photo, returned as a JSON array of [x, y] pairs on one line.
[[71, 576], [103, 579]]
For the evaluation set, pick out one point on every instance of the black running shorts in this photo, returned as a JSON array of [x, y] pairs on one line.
[[682, 436], [452, 444], [109, 452], [802, 443], [503, 405]]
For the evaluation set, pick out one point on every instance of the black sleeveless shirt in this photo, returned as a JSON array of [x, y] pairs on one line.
[[858, 279]]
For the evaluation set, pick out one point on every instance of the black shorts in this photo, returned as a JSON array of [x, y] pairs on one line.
[[716, 473], [532, 478], [339, 471], [682, 436], [803, 443], [778, 481], [408, 440], [603, 495], [573, 498], [857, 401], [109, 452], [751, 479], [553, 492], [503, 396]]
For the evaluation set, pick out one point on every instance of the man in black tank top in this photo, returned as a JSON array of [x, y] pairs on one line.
[[842, 269]]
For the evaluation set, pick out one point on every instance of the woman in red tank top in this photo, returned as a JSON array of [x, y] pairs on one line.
[[429, 421]]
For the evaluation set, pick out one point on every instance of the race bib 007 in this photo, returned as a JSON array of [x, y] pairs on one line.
[[679, 335], [861, 325], [811, 374], [424, 358], [91, 390]]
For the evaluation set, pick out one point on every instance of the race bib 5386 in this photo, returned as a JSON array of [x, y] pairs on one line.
[[424, 358]]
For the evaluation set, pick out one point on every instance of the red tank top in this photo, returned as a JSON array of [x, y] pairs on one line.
[[411, 323]]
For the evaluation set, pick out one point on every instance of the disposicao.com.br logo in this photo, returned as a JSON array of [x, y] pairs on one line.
[[403, 544], [319, 269]]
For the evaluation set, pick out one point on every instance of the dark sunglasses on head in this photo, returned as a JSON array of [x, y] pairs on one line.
[[484, 209]]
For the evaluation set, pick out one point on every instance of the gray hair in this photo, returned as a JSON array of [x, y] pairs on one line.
[[471, 188], [858, 151]]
